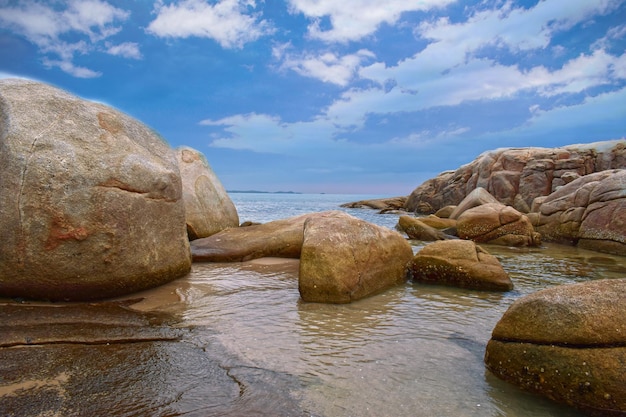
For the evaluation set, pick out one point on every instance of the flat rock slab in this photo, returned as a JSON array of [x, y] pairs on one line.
[[107, 359], [279, 238]]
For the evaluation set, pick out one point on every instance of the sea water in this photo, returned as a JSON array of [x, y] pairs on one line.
[[413, 350]]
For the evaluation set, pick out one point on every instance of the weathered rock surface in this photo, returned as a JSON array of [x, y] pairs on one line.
[[90, 199], [415, 228], [438, 222], [208, 208], [498, 224], [567, 343], [345, 259], [476, 198], [459, 263], [279, 238], [589, 212], [516, 177], [101, 359]]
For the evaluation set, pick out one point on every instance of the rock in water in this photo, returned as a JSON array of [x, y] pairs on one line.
[[90, 199], [208, 208], [567, 343], [344, 259], [459, 263]]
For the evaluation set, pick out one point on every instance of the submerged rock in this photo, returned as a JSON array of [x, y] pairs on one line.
[[345, 259], [90, 199], [459, 263], [567, 343], [208, 207]]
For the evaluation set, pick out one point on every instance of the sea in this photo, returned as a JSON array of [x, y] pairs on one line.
[[413, 350]]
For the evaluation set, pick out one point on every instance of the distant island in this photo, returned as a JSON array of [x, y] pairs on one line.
[[261, 192]]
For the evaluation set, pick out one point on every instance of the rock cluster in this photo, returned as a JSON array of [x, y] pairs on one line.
[[589, 212], [515, 176], [342, 259]]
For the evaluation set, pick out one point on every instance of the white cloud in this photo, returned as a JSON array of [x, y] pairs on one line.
[[613, 34], [70, 68], [229, 22], [449, 72], [352, 20], [327, 67], [126, 50], [44, 26]]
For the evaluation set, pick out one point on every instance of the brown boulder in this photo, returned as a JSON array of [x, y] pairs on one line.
[[90, 199], [208, 208], [476, 198], [497, 224], [438, 223], [345, 259], [567, 343], [418, 230], [459, 263], [445, 212]]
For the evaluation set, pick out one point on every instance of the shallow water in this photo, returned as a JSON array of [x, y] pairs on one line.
[[252, 347]]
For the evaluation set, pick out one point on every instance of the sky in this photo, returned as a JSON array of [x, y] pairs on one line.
[[328, 96]]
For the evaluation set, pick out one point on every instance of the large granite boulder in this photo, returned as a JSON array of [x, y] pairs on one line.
[[345, 259], [90, 199], [516, 176], [497, 224], [589, 212], [567, 343], [459, 263], [208, 208]]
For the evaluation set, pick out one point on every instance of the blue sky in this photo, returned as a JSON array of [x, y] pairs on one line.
[[351, 96]]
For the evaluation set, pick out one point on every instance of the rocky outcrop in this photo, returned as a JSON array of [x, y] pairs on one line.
[[567, 343], [383, 204], [516, 176], [208, 208], [589, 212], [345, 259], [418, 230], [498, 224], [90, 199], [459, 263]]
